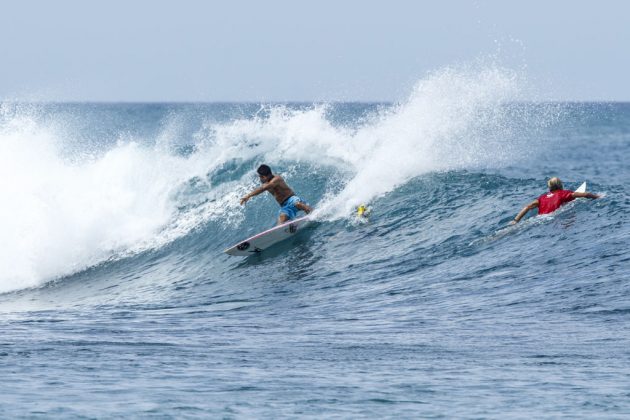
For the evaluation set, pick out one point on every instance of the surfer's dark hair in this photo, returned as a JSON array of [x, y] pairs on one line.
[[264, 170]]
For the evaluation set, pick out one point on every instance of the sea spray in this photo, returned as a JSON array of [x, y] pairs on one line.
[[466, 117]]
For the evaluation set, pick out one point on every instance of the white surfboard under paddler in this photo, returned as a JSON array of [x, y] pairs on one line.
[[581, 188]]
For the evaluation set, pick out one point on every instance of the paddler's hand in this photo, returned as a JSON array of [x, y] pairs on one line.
[[244, 200]]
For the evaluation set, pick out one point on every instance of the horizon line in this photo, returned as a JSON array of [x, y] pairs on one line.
[[276, 102]]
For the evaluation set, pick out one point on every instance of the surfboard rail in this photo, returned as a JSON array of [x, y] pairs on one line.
[[268, 238]]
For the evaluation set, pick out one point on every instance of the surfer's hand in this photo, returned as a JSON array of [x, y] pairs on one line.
[[244, 200], [512, 223]]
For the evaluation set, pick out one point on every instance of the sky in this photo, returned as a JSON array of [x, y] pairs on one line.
[[281, 50]]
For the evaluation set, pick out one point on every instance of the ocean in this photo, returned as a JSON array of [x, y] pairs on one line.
[[116, 299]]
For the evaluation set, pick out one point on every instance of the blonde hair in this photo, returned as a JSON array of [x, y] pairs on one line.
[[554, 184]]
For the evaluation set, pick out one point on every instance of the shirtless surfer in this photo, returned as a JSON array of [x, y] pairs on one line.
[[551, 201], [290, 203]]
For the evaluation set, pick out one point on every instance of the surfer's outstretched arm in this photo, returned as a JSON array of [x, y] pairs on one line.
[[523, 212], [264, 187], [585, 195]]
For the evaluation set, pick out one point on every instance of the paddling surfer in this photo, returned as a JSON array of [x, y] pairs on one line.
[[551, 201], [290, 203]]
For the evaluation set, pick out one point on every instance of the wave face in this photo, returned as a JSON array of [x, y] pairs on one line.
[[92, 183], [115, 217]]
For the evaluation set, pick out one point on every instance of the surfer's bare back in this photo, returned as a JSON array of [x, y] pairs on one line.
[[290, 203]]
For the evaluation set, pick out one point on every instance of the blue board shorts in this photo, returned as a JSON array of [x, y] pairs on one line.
[[288, 207]]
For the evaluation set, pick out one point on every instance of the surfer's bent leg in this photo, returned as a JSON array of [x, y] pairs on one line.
[[304, 207], [283, 218], [291, 207], [287, 211]]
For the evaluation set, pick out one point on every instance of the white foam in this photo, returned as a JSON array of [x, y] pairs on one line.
[[60, 216]]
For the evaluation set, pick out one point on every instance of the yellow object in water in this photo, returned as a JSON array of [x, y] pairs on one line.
[[362, 211]]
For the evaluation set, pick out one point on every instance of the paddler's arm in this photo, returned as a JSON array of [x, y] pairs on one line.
[[585, 195], [259, 190], [523, 212]]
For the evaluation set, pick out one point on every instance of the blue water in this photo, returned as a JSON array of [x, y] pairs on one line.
[[117, 300]]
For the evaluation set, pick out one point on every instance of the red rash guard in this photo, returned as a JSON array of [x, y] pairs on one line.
[[552, 200]]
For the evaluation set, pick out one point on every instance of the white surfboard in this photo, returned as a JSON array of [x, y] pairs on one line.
[[264, 240], [581, 188]]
